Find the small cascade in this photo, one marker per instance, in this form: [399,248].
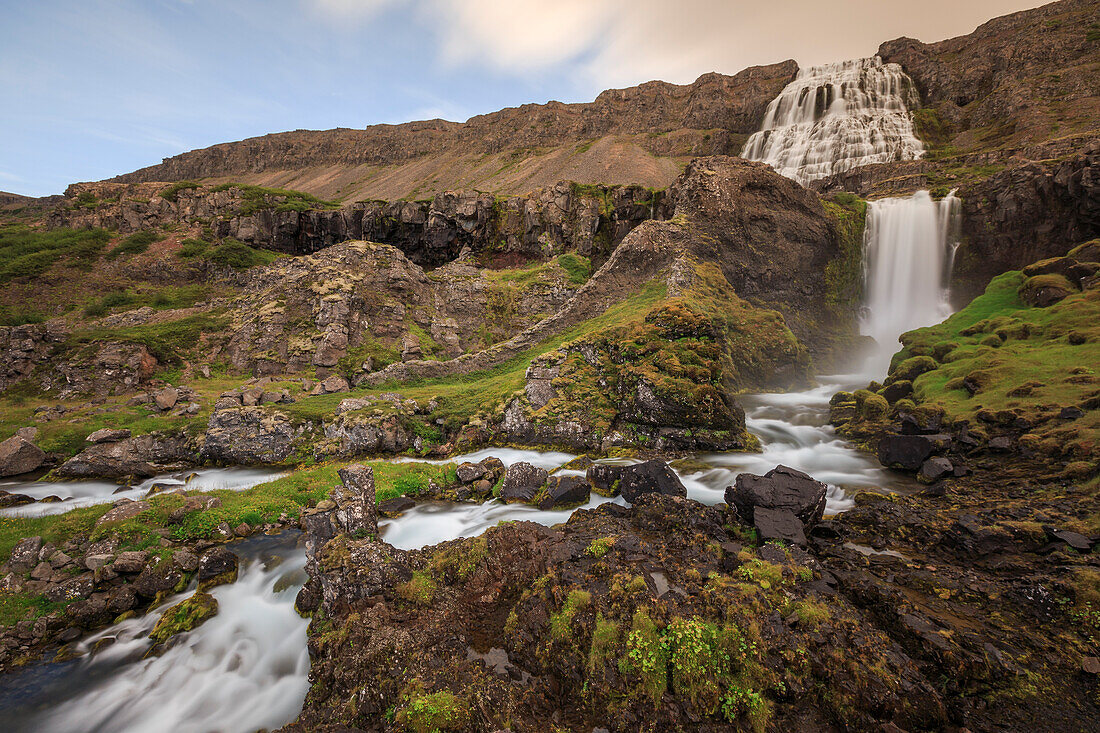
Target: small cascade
[836,117]
[908,251]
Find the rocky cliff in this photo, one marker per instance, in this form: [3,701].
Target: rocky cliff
[589,220]
[611,140]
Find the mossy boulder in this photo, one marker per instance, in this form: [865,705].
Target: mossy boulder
[184,616]
[1042,291]
[913,367]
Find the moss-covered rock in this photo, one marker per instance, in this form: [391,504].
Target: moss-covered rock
[184,616]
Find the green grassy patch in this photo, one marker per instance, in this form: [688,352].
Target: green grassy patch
[134,244]
[168,341]
[239,256]
[259,198]
[27,252]
[172,192]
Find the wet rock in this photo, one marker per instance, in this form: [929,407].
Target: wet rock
[108,435]
[217,567]
[130,562]
[123,510]
[184,616]
[650,477]
[604,479]
[522,481]
[356,508]
[7,499]
[909,451]
[140,456]
[395,506]
[564,491]
[19,456]
[469,472]
[782,488]
[934,469]
[121,599]
[159,576]
[89,613]
[1077,541]
[24,555]
[779,524]
[166,398]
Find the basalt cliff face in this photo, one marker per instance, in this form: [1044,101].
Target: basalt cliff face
[633,135]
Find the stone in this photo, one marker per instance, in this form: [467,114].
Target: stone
[564,491]
[908,452]
[333,384]
[186,560]
[356,508]
[18,456]
[1077,541]
[782,488]
[650,477]
[166,398]
[159,576]
[130,562]
[121,599]
[395,506]
[1071,413]
[122,511]
[216,567]
[7,499]
[934,469]
[522,481]
[779,524]
[95,562]
[28,433]
[252,397]
[42,571]
[24,555]
[108,435]
[184,616]
[604,479]
[1090,665]
[71,590]
[469,472]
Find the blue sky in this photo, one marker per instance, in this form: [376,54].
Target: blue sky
[96,88]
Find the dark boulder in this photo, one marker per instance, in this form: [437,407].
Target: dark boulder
[217,566]
[18,455]
[782,488]
[934,469]
[564,491]
[395,506]
[779,524]
[158,576]
[651,477]
[24,556]
[522,481]
[909,451]
[604,479]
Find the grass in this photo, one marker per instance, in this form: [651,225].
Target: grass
[134,244]
[165,297]
[172,192]
[1029,360]
[27,252]
[258,198]
[239,256]
[168,341]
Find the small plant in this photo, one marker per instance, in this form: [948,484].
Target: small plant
[561,624]
[420,589]
[599,547]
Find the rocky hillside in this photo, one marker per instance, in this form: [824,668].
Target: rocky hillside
[638,135]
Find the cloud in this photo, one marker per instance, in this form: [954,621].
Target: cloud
[348,10]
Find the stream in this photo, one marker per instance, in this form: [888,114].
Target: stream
[247,668]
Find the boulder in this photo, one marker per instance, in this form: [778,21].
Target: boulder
[108,435]
[564,491]
[908,452]
[18,455]
[24,556]
[130,562]
[186,560]
[159,576]
[140,456]
[469,472]
[934,469]
[7,499]
[395,506]
[166,398]
[71,590]
[651,477]
[605,479]
[779,524]
[184,616]
[782,488]
[356,508]
[248,436]
[217,567]
[123,510]
[522,481]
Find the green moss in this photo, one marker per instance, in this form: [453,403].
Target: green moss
[172,192]
[192,248]
[27,252]
[811,612]
[561,623]
[599,547]
[258,198]
[239,256]
[458,562]
[168,341]
[419,590]
[646,656]
[844,274]
[184,616]
[431,713]
[605,641]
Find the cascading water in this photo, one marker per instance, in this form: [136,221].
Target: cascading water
[836,117]
[909,245]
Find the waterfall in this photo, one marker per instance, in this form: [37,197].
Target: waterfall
[836,117]
[908,246]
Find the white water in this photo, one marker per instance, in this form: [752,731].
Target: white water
[243,670]
[85,493]
[909,245]
[836,117]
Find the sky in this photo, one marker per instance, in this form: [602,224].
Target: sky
[90,89]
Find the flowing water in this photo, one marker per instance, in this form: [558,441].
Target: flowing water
[247,668]
[836,117]
[85,493]
[909,248]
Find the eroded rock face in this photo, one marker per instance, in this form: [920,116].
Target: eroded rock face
[249,436]
[140,456]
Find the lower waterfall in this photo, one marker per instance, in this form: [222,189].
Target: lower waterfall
[909,245]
